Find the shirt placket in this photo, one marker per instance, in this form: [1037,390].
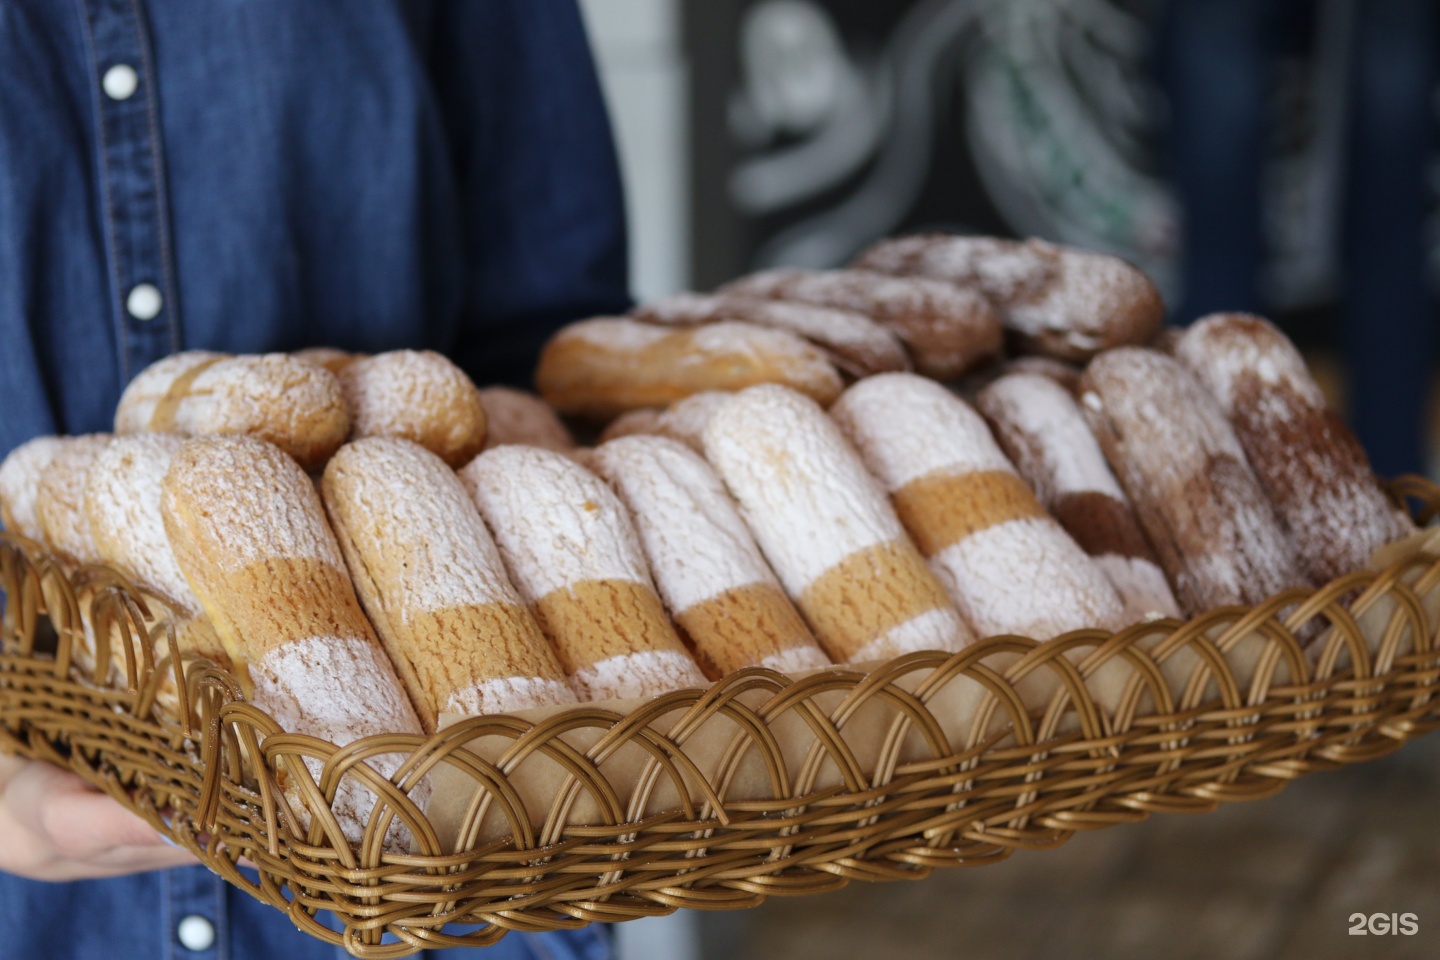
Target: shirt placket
[143,298]
[195,920]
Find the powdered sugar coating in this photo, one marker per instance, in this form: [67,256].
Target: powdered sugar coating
[273,513]
[801,489]
[1081,306]
[1311,467]
[514,416]
[450,558]
[617,333]
[931,630]
[1069,460]
[856,343]
[1027,577]
[1194,492]
[508,694]
[417,395]
[1143,589]
[60,501]
[793,660]
[20,475]
[137,404]
[631,675]
[292,403]
[692,533]
[1002,269]
[907,427]
[685,420]
[312,686]
[1224,347]
[122,500]
[556,523]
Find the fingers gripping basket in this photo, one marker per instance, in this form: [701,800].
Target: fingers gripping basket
[718,798]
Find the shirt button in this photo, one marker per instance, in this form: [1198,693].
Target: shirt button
[196,933]
[120,82]
[144,301]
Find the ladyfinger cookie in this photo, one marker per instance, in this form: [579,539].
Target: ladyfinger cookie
[60,499]
[950,331]
[572,551]
[415,395]
[827,529]
[603,367]
[292,403]
[1058,301]
[683,420]
[1195,494]
[331,358]
[249,533]
[122,504]
[1310,465]
[432,581]
[1007,564]
[857,345]
[20,476]
[1043,432]
[718,588]
[514,416]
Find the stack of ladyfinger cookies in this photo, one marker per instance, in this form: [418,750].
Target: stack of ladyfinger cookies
[801,469]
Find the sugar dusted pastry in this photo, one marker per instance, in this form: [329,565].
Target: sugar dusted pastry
[683,420]
[573,553]
[827,529]
[1007,564]
[1310,465]
[718,588]
[60,499]
[331,358]
[250,535]
[857,344]
[292,403]
[1043,432]
[949,331]
[1195,494]
[20,475]
[432,581]
[415,395]
[1058,301]
[604,367]
[514,416]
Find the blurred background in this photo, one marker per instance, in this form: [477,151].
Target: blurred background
[1277,156]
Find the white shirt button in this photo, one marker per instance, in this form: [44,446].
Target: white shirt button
[196,933]
[144,301]
[120,82]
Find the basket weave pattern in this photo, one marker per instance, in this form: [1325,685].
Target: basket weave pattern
[1253,711]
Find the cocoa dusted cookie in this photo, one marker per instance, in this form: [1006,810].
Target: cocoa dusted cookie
[948,330]
[855,343]
[1042,430]
[1058,301]
[1311,466]
[1196,496]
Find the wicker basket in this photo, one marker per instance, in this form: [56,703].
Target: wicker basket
[719,798]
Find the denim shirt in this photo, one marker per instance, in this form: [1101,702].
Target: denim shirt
[255,175]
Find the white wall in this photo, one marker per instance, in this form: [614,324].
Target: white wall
[638,47]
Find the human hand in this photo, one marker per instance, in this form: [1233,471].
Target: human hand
[54,826]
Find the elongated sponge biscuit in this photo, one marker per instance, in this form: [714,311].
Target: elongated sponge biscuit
[249,532]
[432,580]
[827,529]
[573,553]
[716,585]
[1008,565]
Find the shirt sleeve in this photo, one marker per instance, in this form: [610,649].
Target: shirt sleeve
[541,208]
